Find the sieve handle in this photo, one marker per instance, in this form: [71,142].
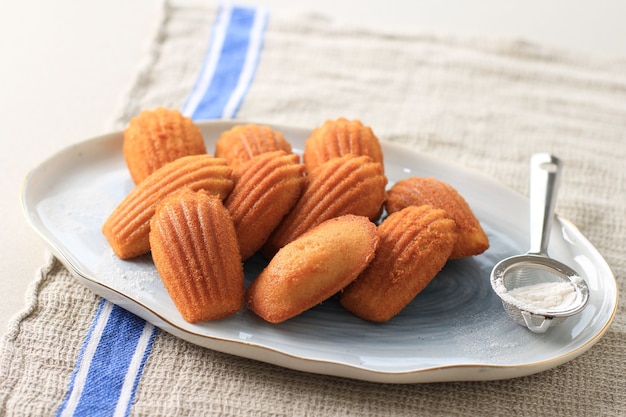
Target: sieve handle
[544,184]
[536,328]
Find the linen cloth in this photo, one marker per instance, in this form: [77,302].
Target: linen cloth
[488,104]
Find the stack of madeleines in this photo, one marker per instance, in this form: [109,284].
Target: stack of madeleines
[317,221]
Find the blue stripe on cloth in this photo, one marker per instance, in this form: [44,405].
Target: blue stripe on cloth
[229,65]
[109,364]
[118,343]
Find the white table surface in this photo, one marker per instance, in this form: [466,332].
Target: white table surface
[66,65]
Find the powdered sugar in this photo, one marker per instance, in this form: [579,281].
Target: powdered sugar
[556,295]
[135,276]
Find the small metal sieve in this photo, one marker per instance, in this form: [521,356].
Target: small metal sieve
[537,291]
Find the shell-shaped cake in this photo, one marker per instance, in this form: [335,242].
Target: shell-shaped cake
[415,244]
[128,226]
[195,251]
[340,137]
[344,185]
[155,137]
[417,191]
[266,188]
[313,268]
[242,142]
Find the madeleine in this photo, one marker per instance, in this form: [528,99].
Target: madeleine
[313,268]
[128,226]
[419,191]
[195,251]
[156,137]
[415,244]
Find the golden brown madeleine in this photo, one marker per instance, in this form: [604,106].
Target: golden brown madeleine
[313,268]
[417,191]
[266,188]
[415,244]
[242,142]
[155,137]
[195,251]
[340,137]
[344,185]
[128,226]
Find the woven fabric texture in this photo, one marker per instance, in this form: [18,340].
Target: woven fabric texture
[483,103]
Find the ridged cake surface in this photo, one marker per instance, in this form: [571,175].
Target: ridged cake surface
[417,191]
[415,244]
[128,226]
[344,185]
[242,142]
[266,188]
[155,137]
[195,251]
[340,137]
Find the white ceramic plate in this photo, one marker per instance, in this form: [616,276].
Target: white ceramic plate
[456,329]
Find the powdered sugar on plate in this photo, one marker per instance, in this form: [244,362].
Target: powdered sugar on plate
[138,274]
